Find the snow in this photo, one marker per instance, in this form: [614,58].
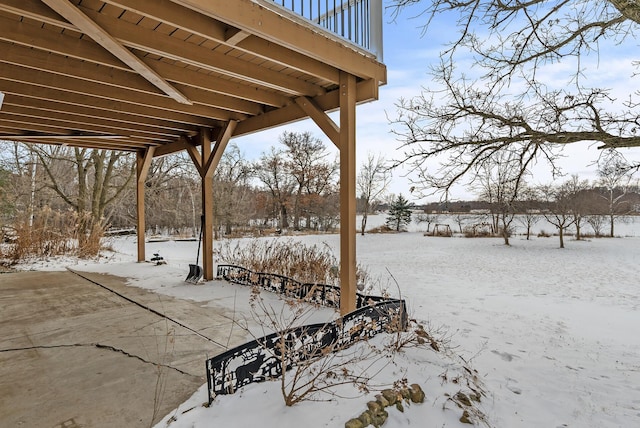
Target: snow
[552,333]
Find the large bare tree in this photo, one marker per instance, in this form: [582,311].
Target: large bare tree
[88,181]
[504,102]
[615,177]
[372,181]
[307,163]
[231,191]
[271,170]
[499,183]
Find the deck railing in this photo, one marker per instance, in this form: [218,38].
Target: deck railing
[359,21]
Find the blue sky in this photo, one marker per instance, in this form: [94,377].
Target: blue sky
[407,55]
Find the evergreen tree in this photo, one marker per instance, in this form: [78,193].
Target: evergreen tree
[399,213]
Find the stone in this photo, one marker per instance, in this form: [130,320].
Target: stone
[374,407]
[366,418]
[383,401]
[380,418]
[416,393]
[390,395]
[354,423]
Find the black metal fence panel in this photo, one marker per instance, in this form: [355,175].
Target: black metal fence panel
[321,294]
[264,358]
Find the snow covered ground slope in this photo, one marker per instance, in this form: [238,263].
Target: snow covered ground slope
[553,333]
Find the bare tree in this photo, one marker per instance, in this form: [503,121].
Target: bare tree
[372,181]
[271,170]
[615,176]
[307,165]
[100,177]
[578,194]
[558,208]
[503,102]
[597,222]
[231,191]
[499,183]
[529,208]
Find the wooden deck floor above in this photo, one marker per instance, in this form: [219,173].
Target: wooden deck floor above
[132,74]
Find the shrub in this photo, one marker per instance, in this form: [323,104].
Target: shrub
[53,233]
[293,259]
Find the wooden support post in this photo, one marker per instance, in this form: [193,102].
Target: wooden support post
[207,206]
[143,163]
[347,193]
[206,162]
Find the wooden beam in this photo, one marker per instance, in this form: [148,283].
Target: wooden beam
[192,151]
[76,128]
[204,138]
[104,39]
[104,92]
[110,119]
[136,112]
[347,193]
[80,122]
[235,36]
[324,122]
[137,37]
[222,140]
[269,24]
[41,61]
[178,146]
[209,28]
[366,91]
[143,163]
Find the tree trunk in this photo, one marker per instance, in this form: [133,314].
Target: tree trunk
[561,229]
[363,224]
[611,220]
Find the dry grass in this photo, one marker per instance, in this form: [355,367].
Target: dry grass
[52,233]
[293,259]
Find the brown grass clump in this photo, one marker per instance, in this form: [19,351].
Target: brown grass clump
[52,233]
[381,229]
[287,257]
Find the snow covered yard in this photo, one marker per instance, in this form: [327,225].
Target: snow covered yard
[553,333]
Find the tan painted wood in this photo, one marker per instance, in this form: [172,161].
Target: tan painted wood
[94,89]
[189,20]
[224,135]
[291,113]
[136,111]
[324,122]
[45,62]
[257,19]
[192,150]
[126,124]
[143,163]
[235,36]
[207,207]
[104,39]
[28,119]
[95,124]
[348,284]
[136,37]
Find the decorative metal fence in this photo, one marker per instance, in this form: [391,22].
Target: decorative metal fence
[322,294]
[263,359]
[359,21]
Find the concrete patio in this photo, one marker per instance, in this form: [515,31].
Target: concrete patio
[76,354]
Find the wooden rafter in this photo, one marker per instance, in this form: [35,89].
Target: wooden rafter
[104,39]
